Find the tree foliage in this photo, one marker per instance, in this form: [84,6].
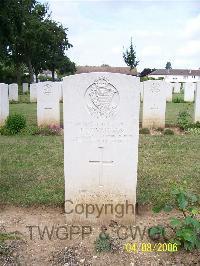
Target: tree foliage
[168,65]
[29,36]
[130,57]
[146,71]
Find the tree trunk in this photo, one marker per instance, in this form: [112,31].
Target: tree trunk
[36,76]
[53,74]
[30,68]
[18,74]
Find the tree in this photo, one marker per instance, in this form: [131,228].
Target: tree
[130,57]
[29,37]
[168,65]
[32,38]
[146,71]
[66,67]
[21,20]
[56,45]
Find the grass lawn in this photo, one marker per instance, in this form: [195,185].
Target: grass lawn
[31,170]
[32,166]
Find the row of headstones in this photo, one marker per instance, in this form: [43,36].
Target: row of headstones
[188,88]
[13,91]
[157,93]
[154,95]
[47,94]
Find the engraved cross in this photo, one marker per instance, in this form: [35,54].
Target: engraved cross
[101,163]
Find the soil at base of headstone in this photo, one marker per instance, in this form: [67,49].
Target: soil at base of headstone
[34,247]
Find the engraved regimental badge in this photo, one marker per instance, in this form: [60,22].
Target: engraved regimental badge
[47,89]
[155,87]
[102,98]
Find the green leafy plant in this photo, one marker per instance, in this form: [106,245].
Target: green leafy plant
[8,236]
[168,131]
[193,128]
[155,232]
[14,124]
[194,125]
[183,119]
[178,100]
[103,243]
[4,131]
[186,229]
[44,78]
[193,131]
[144,131]
[6,248]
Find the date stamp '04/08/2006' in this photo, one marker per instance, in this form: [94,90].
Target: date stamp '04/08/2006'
[149,247]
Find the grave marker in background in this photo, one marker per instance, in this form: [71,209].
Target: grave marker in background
[177,87]
[60,90]
[33,92]
[169,91]
[197,103]
[189,90]
[13,92]
[4,103]
[48,106]
[25,87]
[141,91]
[154,104]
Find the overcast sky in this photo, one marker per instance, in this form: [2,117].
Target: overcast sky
[161,30]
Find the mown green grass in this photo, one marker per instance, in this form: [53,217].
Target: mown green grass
[166,161]
[32,168]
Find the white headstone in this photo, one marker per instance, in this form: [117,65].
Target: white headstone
[101,132]
[4,103]
[13,92]
[60,89]
[197,103]
[33,92]
[141,91]
[25,87]
[169,91]
[48,106]
[177,87]
[189,90]
[154,104]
